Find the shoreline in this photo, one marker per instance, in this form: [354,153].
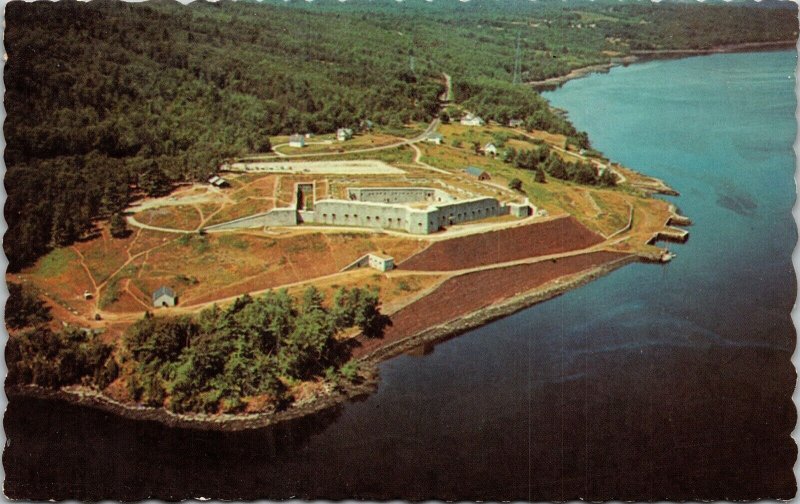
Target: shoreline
[342,393]
[657,54]
[237,422]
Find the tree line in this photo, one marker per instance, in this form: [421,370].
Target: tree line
[109,100]
[542,160]
[256,347]
[213,361]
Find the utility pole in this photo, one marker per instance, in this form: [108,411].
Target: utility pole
[517,78]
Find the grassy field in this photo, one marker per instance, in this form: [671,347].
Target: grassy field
[328,143]
[174,217]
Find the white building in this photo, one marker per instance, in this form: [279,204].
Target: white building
[164,296]
[297,141]
[218,181]
[521,210]
[515,123]
[381,262]
[490,149]
[343,134]
[435,138]
[472,120]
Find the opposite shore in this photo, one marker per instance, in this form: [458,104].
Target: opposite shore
[647,55]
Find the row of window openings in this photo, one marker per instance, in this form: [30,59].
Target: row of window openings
[369,219]
[400,221]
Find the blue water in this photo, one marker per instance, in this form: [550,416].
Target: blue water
[654,382]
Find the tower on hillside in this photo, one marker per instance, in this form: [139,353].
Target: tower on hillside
[517,78]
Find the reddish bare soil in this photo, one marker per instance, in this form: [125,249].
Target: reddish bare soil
[470,292]
[545,238]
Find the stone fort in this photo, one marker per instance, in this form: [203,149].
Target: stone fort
[415,210]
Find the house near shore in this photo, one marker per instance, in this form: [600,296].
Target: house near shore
[472,120]
[297,141]
[476,172]
[515,123]
[343,134]
[164,296]
[490,149]
[435,138]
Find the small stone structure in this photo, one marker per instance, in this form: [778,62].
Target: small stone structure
[381,262]
[374,260]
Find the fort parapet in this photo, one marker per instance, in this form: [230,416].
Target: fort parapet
[398,194]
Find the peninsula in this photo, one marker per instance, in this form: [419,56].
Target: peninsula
[252,242]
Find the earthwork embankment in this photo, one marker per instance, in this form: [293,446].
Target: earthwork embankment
[505,245]
[468,293]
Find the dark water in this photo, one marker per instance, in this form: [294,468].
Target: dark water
[651,383]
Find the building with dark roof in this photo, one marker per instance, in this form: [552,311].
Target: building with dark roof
[164,296]
[477,173]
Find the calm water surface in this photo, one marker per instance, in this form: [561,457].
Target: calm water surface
[654,382]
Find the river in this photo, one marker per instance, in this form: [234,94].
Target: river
[655,382]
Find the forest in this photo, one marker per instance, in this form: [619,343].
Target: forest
[107,101]
[213,361]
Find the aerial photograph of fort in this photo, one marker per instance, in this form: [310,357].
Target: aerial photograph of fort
[373,249]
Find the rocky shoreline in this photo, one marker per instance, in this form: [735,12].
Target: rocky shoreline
[236,422]
[577,73]
[646,55]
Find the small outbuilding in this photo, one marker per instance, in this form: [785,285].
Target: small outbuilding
[515,123]
[297,141]
[435,138]
[164,296]
[343,134]
[476,172]
[490,149]
[381,262]
[218,181]
[374,260]
[472,120]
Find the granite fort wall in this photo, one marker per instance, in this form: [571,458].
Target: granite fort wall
[404,218]
[398,194]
